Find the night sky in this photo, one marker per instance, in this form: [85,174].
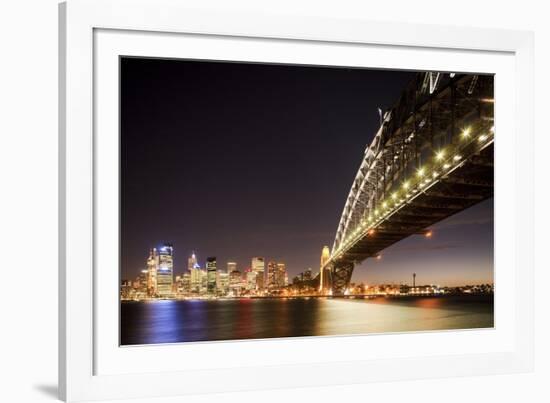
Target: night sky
[238,160]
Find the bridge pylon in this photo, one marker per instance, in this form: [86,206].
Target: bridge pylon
[341,271]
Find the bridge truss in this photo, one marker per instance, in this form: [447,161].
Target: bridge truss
[431,158]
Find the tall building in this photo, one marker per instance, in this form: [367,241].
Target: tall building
[231,266]
[324,279]
[152,266]
[251,280]
[222,282]
[281,278]
[165,271]
[258,267]
[271,275]
[191,262]
[235,282]
[211,272]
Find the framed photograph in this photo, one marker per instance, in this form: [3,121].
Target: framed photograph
[311,201]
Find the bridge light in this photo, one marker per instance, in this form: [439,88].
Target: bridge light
[384,204]
[428,234]
[492,129]
[466,133]
[435,174]
[394,196]
[420,172]
[440,155]
[457,157]
[447,166]
[406,185]
[482,138]
[371,232]
[378,257]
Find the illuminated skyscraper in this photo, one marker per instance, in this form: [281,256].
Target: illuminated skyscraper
[281,277]
[271,275]
[235,282]
[211,275]
[222,282]
[231,266]
[324,280]
[251,282]
[191,262]
[152,266]
[258,267]
[165,271]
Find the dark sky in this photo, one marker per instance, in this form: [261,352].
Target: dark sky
[239,160]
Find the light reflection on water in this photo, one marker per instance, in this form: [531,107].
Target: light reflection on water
[157,322]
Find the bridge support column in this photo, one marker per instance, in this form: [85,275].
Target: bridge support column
[341,276]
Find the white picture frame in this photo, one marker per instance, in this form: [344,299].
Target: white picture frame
[92,366]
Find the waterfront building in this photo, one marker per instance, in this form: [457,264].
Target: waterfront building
[258,267]
[211,271]
[307,275]
[324,281]
[165,271]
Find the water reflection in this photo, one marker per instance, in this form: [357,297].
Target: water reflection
[201,320]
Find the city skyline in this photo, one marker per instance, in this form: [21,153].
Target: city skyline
[280,198]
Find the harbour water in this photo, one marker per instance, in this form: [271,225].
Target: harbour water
[174,321]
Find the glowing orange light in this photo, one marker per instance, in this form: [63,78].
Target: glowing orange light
[378,257]
[371,232]
[428,234]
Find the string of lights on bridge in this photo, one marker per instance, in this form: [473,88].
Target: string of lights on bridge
[445,161]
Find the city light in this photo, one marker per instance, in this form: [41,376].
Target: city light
[440,155]
[428,234]
[420,172]
[457,158]
[482,138]
[466,133]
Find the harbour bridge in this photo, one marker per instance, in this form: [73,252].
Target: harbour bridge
[432,157]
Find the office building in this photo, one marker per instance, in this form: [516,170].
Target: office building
[211,272]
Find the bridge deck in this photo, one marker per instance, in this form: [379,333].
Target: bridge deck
[467,185]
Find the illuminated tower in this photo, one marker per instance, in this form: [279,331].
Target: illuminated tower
[258,266]
[324,272]
[191,262]
[165,271]
[281,277]
[211,275]
[272,275]
[231,266]
[152,265]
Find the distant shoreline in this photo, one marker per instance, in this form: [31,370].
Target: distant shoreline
[351,297]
